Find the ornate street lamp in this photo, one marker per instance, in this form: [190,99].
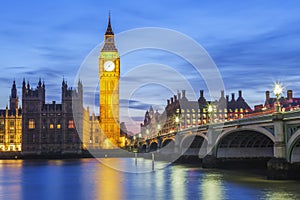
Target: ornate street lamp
[209,110]
[277,91]
[177,123]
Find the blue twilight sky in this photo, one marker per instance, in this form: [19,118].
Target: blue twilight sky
[253,43]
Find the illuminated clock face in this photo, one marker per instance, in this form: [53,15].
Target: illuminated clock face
[109,39]
[109,66]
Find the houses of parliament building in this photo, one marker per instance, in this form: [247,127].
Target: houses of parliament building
[48,128]
[40,128]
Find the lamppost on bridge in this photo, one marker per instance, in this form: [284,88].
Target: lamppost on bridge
[209,110]
[158,129]
[277,91]
[177,120]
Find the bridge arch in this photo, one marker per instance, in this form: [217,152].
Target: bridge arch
[144,148]
[249,128]
[153,146]
[167,146]
[245,142]
[194,144]
[167,141]
[293,147]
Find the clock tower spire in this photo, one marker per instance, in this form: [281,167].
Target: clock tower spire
[109,74]
[109,30]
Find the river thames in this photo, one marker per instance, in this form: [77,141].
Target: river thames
[91,179]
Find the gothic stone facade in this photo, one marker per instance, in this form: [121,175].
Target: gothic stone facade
[52,128]
[11,124]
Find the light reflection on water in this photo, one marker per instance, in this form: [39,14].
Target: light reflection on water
[89,179]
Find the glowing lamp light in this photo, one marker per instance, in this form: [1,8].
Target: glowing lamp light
[210,108]
[277,89]
[177,119]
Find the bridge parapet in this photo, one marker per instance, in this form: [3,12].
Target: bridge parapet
[281,128]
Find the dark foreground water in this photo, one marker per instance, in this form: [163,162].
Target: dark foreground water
[91,179]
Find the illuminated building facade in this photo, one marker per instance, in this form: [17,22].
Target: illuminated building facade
[152,122]
[288,103]
[11,124]
[194,113]
[109,74]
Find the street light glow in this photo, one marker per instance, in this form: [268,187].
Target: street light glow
[210,108]
[177,119]
[277,89]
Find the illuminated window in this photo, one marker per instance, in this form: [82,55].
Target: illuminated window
[58,126]
[31,124]
[71,124]
[11,139]
[51,126]
[1,125]
[11,125]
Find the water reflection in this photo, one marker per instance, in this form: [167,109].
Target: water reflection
[10,173]
[109,181]
[133,165]
[89,179]
[178,182]
[211,187]
[279,195]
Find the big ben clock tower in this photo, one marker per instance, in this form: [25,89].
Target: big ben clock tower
[109,74]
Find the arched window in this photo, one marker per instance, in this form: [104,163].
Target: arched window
[71,124]
[31,124]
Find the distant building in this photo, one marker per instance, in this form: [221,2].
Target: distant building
[288,103]
[152,123]
[11,124]
[193,113]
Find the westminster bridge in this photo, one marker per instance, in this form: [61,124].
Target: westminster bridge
[275,135]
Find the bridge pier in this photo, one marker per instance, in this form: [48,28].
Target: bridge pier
[210,160]
[178,139]
[278,167]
